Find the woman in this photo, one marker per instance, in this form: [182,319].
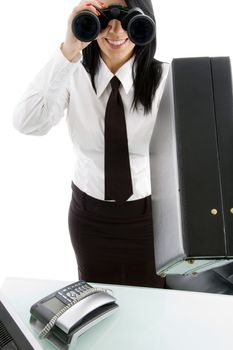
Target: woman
[112,239]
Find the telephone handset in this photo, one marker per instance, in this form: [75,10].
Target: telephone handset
[73,309]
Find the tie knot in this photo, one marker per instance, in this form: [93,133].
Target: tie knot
[115,83]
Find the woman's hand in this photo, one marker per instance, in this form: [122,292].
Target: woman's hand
[72,46]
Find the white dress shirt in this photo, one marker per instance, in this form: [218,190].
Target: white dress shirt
[63,85]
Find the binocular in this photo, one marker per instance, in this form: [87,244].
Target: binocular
[86,26]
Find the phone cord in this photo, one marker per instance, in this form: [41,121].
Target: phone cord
[53,320]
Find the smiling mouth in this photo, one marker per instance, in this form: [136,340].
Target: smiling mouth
[116,43]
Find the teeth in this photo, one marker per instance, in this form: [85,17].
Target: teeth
[116,42]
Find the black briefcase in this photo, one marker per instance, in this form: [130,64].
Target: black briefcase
[191,158]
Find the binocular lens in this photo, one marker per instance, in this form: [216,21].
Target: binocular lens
[141,31]
[86,26]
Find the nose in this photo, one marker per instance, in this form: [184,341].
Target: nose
[115,27]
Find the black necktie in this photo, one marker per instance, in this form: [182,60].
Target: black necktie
[118,182]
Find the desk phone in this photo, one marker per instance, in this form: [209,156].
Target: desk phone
[73,309]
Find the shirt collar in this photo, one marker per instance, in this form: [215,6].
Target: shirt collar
[104,75]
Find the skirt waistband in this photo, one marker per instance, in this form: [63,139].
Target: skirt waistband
[127,209]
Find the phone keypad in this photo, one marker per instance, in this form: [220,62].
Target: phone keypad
[72,292]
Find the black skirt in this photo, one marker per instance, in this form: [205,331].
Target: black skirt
[113,242]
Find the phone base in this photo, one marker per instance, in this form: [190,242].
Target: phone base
[62,339]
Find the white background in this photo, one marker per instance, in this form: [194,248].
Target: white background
[35,172]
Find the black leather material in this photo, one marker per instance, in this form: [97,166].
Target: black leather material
[191,154]
[222,92]
[219,281]
[197,157]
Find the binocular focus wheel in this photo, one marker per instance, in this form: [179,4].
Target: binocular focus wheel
[86,26]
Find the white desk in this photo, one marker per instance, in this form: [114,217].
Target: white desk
[146,319]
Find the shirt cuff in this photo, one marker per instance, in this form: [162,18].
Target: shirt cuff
[74,60]
[63,65]
[60,69]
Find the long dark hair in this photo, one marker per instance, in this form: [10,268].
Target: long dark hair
[148,70]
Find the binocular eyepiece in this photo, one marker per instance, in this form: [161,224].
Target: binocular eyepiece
[86,26]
